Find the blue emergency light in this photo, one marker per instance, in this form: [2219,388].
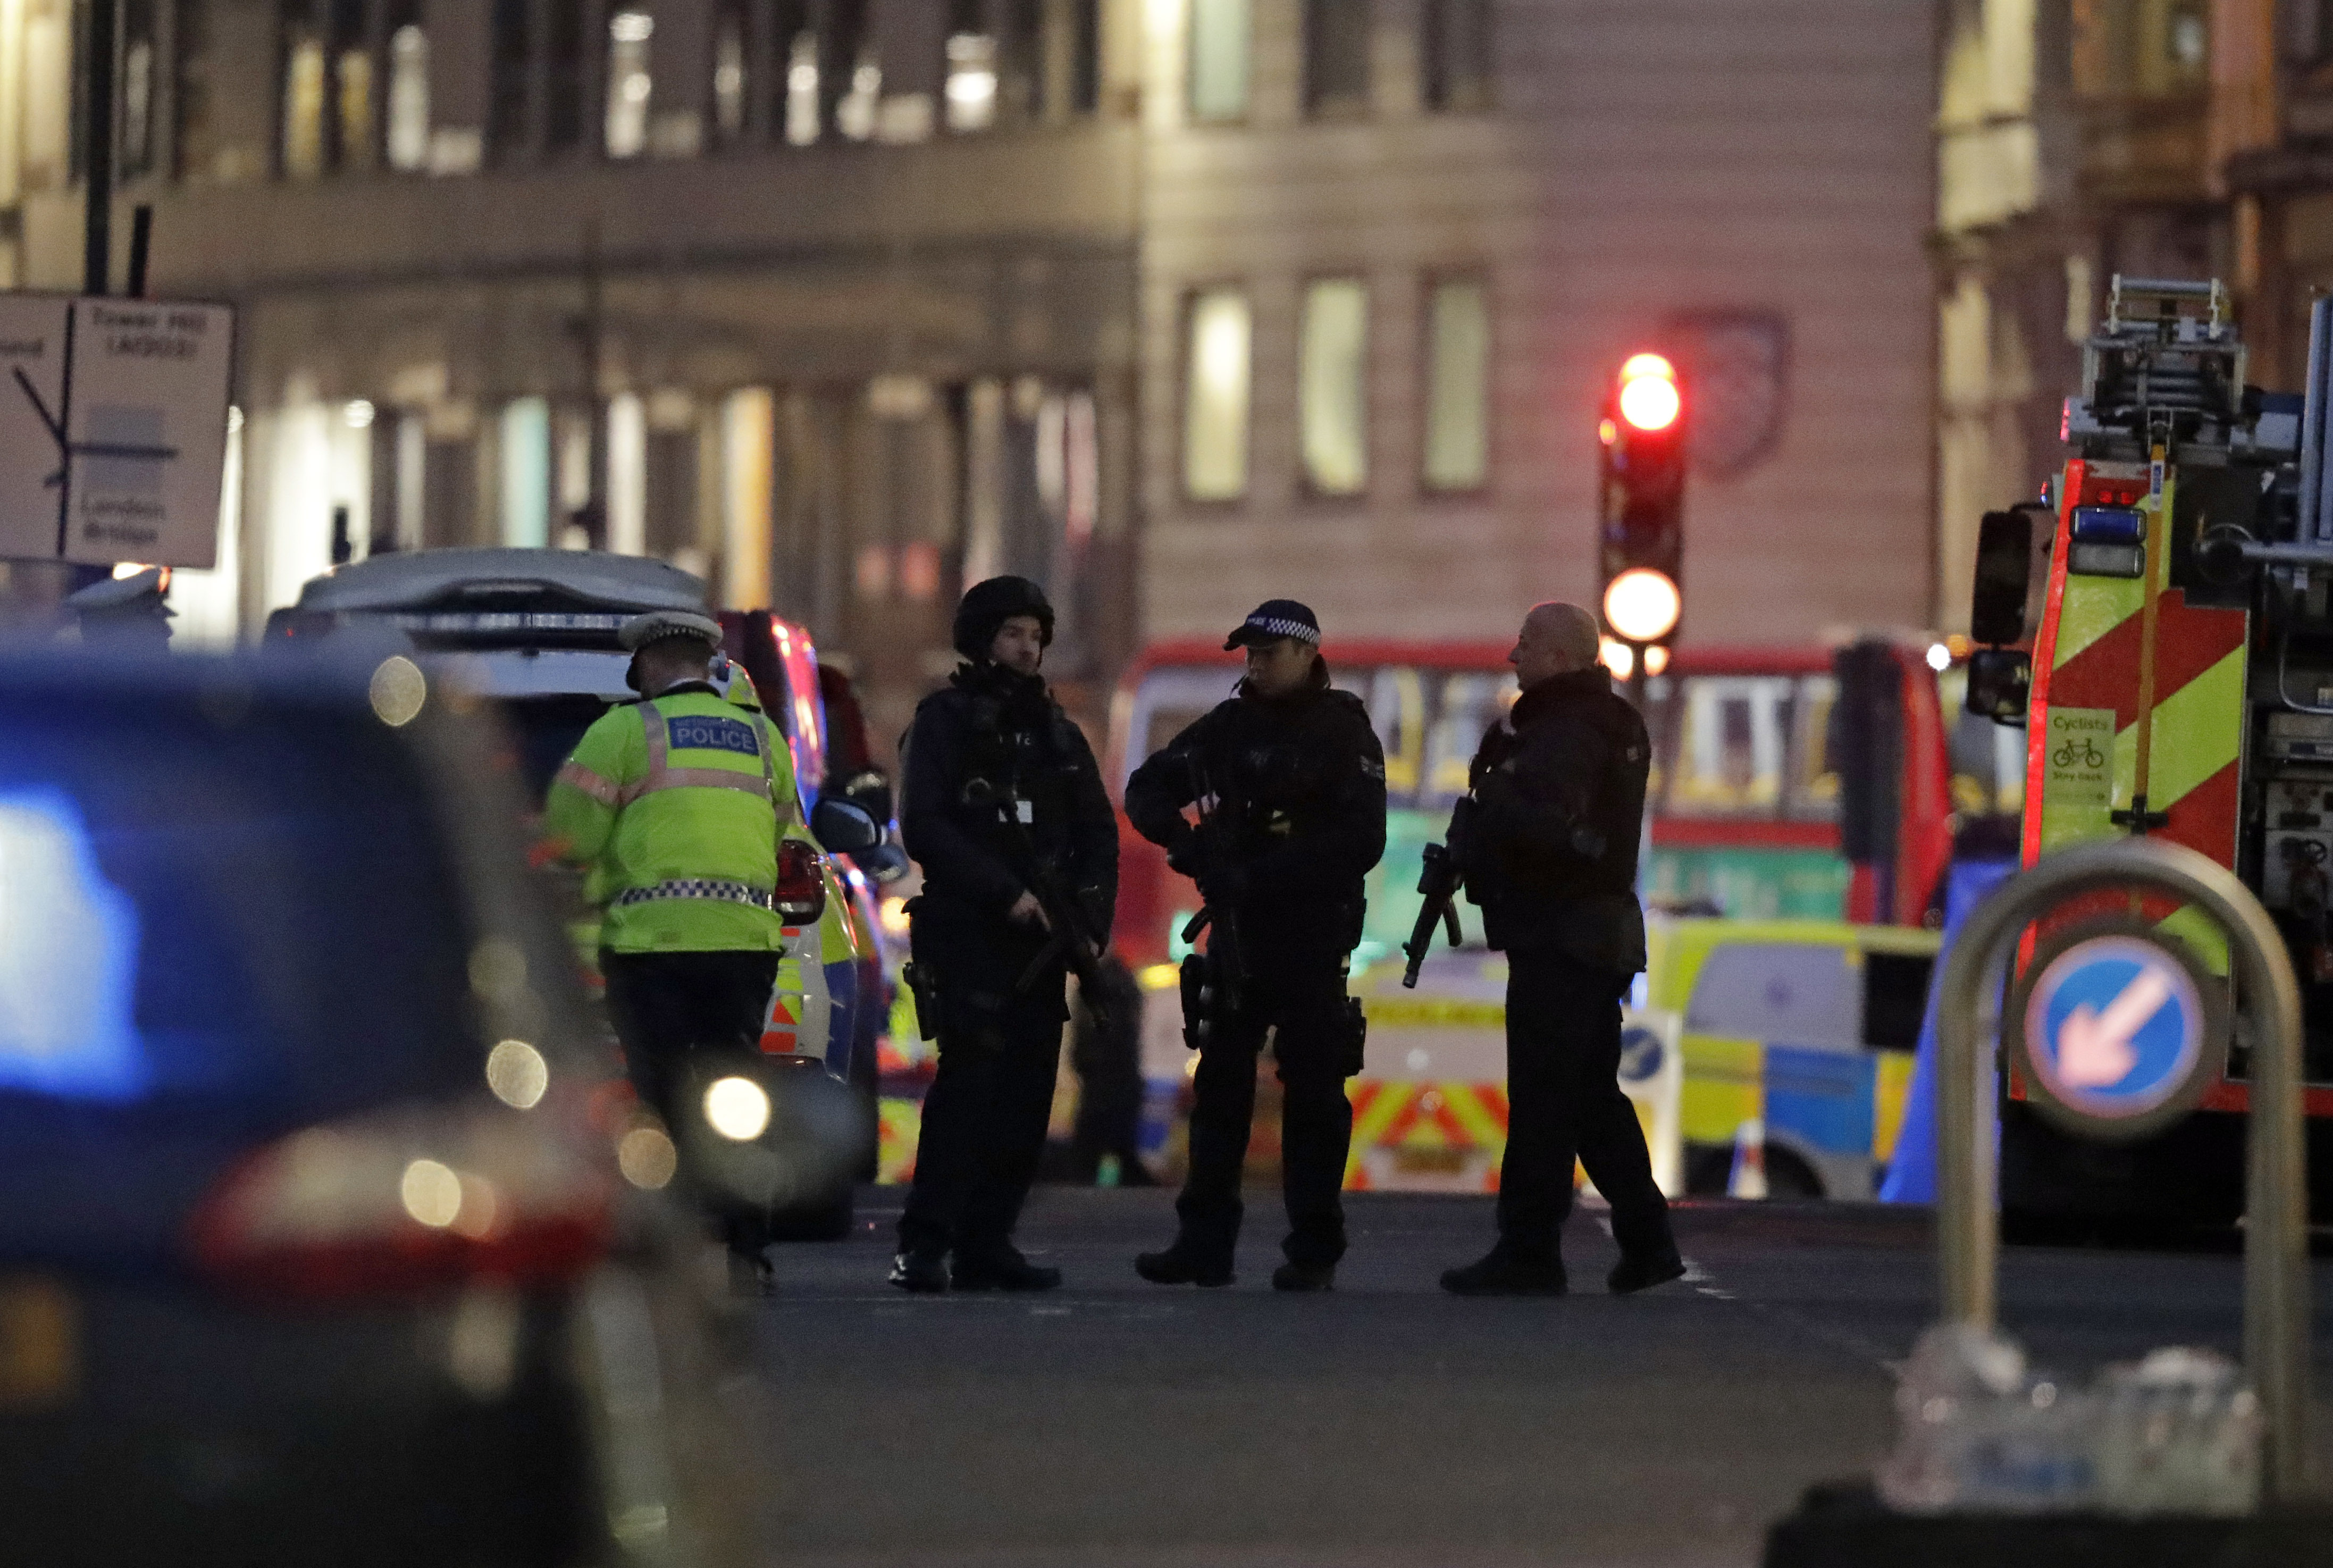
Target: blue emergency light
[2108,525]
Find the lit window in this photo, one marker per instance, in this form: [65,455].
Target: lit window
[1336,56]
[629,82]
[1215,397]
[729,77]
[137,106]
[526,473]
[355,107]
[1333,386]
[854,115]
[1219,59]
[802,91]
[1456,51]
[408,99]
[1457,386]
[303,107]
[971,82]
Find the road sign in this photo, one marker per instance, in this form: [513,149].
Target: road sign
[112,428]
[2117,1026]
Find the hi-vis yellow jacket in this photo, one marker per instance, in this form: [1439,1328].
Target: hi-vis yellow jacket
[676,807]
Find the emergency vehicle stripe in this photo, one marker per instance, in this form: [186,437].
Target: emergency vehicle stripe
[2193,737]
[2089,655]
[2188,643]
[575,776]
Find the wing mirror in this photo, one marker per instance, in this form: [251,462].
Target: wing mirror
[1998,610]
[2000,681]
[842,828]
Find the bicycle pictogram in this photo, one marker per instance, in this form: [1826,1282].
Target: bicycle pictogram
[2088,756]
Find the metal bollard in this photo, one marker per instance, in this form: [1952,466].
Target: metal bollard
[2276,1237]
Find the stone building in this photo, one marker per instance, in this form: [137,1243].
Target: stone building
[1174,303]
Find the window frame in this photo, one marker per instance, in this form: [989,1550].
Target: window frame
[1191,113]
[1187,317]
[1316,105]
[1430,282]
[1429,53]
[1306,486]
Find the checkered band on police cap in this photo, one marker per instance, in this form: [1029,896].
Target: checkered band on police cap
[1277,618]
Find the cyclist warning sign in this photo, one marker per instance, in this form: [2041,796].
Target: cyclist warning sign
[2080,757]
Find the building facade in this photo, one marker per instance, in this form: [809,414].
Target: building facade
[2082,139]
[1173,305]
[1394,254]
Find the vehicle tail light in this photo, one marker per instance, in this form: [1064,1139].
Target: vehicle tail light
[801,882]
[406,1203]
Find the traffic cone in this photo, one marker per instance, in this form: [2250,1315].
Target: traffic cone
[1749,1177]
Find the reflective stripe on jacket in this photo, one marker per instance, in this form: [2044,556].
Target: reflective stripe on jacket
[686,790]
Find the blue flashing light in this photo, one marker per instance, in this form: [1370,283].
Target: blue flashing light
[2108,525]
[68,958]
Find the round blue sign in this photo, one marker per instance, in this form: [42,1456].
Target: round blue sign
[1641,1054]
[2114,1027]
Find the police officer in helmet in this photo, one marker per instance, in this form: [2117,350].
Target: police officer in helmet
[1287,780]
[997,779]
[675,804]
[1551,856]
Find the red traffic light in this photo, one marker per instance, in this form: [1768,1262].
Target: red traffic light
[1648,392]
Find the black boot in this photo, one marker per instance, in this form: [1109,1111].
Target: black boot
[1301,1276]
[1183,1264]
[1001,1267]
[920,1270]
[1631,1275]
[1501,1272]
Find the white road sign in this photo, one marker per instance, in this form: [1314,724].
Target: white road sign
[112,428]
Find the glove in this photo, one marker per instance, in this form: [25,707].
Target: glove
[1187,853]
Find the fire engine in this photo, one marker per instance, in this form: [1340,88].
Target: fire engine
[2159,624]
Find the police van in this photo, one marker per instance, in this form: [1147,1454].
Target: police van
[534,630]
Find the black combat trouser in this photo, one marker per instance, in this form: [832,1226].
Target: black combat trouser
[666,1006]
[1564,1104]
[992,1098]
[1305,1001]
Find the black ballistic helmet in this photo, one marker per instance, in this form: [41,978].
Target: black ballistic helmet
[987,606]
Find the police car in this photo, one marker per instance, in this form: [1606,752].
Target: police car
[534,630]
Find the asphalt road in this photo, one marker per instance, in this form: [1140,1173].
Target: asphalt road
[1117,1422]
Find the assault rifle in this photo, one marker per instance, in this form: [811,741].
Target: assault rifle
[1439,882]
[1215,853]
[1211,981]
[1065,918]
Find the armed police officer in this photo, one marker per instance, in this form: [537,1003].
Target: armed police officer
[1288,780]
[674,805]
[1549,854]
[1005,810]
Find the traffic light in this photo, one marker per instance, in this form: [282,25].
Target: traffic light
[1640,519]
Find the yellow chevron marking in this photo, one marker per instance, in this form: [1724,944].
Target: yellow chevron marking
[1467,1105]
[1387,1104]
[2094,606]
[1432,1010]
[2197,732]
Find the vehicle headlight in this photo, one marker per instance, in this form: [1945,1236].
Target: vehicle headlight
[738,1109]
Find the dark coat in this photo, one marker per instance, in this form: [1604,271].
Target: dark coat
[1302,783]
[1005,731]
[1560,792]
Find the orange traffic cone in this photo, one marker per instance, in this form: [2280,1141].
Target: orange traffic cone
[1749,1177]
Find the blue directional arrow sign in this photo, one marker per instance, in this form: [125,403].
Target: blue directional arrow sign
[2114,1028]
